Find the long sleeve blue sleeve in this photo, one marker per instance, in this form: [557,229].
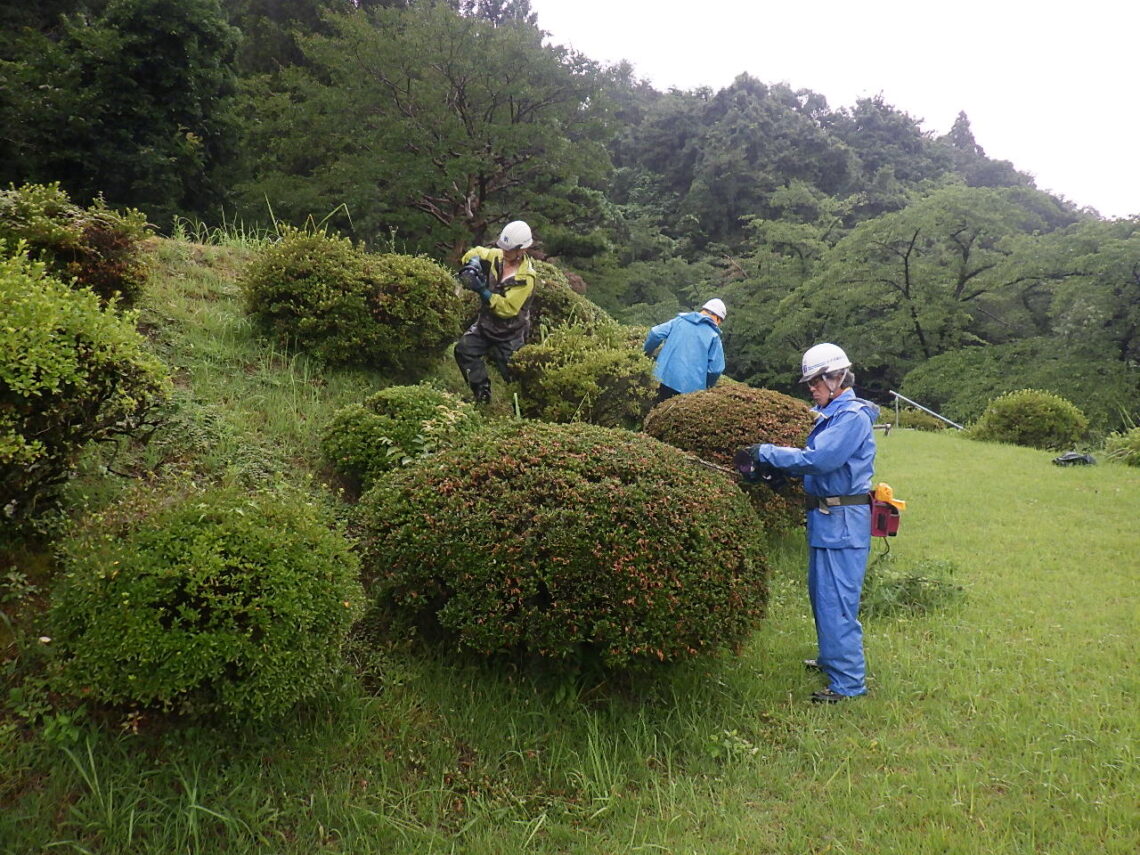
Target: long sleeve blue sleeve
[833,447]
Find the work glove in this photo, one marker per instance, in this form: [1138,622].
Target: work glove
[753,471]
[471,277]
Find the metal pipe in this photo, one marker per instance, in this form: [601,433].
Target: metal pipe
[899,397]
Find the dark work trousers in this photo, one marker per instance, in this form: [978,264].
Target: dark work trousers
[664,393]
[472,349]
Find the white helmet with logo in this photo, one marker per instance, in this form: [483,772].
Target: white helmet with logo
[515,235]
[822,359]
[715,306]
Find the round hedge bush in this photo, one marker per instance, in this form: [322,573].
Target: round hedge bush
[562,540]
[717,422]
[1031,418]
[346,306]
[392,428]
[72,370]
[213,602]
[95,247]
[915,419]
[577,374]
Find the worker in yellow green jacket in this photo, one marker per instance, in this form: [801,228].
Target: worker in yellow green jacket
[504,277]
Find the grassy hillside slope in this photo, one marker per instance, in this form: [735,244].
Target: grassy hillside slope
[1005,724]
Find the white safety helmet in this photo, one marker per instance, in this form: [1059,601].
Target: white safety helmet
[822,359]
[716,306]
[515,235]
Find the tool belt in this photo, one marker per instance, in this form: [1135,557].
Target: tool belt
[824,504]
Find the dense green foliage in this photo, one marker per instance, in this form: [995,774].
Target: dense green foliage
[333,299]
[421,127]
[960,384]
[576,374]
[129,99]
[1032,418]
[393,428]
[476,123]
[563,540]
[717,422]
[71,371]
[93,247]
[210,602]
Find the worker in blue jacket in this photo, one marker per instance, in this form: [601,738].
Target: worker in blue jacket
[692,355]
[837,464]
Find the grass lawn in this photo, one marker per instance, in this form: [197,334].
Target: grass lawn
[1004,723]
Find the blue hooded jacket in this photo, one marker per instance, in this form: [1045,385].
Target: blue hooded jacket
[692,356]
[837,460]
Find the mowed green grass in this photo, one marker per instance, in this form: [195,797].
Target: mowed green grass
[1004,724]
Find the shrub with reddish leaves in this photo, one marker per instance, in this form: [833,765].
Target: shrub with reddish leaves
[715,423]
[561,540]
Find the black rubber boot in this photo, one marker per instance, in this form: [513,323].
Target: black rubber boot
[482,393]
[826,696]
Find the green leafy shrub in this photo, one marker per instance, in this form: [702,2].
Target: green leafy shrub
[392,428]
[1031,418]
[559,541]
[717,422]
[556,304]
[330,298]
[71,371]
[960,384]
[1124,446]
[96,247]
[915,419]
[209,602]
[588,375]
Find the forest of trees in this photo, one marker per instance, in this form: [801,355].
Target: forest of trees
[423,126]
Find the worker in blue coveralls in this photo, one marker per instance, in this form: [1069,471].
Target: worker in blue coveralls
[837,464]
[692,355]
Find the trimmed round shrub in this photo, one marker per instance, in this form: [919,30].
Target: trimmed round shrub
[563,541]
[213,602]
[916,419]
[580,375]
[1123,446]
[392,428]
[95,247]
[328,297]
[1031,418]
[716,423]
[71,371]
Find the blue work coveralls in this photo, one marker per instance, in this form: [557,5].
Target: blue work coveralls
[692,357]
[838,460]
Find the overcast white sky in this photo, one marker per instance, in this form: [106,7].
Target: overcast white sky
[1054,88]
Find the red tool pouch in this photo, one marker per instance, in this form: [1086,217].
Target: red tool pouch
[884,519]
